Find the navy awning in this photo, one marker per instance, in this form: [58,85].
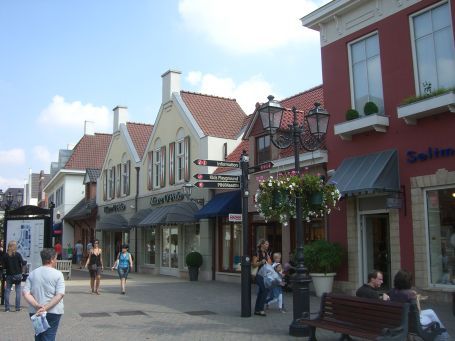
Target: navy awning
[376,172]
[113,222]
[139,216]
[221,205]
[179,213]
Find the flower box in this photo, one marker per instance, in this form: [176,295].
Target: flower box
[363,124]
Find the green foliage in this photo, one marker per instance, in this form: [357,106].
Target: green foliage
[370,108]
[275,198]
[194,259]
[440,91]
[352,114]
[322,256]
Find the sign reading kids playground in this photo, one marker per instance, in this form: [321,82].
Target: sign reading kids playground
[429,154]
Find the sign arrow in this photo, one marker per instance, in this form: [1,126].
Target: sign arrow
[218,184]
[260,167]
[216,163]
[216,177]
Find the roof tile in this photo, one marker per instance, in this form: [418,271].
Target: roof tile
[140,134]
[89,152]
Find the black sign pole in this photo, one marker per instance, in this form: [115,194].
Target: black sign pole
[246,260]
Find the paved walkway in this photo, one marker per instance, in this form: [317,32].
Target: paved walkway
[163,308]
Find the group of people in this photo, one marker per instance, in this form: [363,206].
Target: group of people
[401,292]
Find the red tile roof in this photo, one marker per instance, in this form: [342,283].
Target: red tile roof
[89,152]
[140,134]
[217,116]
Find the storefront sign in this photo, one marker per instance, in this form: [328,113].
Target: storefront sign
[115,208]
[166,198]
[431,153]
[235,217]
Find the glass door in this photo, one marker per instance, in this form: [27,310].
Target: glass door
[169,251]
[376,247]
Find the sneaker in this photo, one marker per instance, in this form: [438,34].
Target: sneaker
[18,309]
[123,293]
[7,310]
[282,310]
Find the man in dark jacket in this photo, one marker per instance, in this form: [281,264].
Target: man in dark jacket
[370,290]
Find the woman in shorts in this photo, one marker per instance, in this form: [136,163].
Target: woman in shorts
[95,266]
[124,264]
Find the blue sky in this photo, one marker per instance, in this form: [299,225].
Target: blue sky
[64,62]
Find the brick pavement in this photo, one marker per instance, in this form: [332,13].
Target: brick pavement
[159,308]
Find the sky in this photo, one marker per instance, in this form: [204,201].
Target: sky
[66,62]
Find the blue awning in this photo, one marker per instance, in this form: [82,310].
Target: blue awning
[221,205]
[376,172]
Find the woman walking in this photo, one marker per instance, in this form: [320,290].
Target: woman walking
[124,264]
[12,265]
[262,257]
[95,266]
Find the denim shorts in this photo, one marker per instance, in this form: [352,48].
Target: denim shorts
[123,272]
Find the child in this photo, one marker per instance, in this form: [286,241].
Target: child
[277,291]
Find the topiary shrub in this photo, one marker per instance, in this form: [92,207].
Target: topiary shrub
[352,114]
[370,108]
[193,259]
[322,256]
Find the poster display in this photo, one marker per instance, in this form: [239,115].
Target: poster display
[29,235]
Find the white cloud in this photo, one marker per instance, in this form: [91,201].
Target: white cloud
[11,182]
[247,93]
[43,155]
[60,113]
[194,77]
[15,156]
[249,26]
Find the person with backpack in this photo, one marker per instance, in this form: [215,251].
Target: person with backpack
[123,264]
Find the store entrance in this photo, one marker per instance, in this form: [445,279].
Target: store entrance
[169,250]
[376,246]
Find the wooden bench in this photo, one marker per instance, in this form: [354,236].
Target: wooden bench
[65,267]
[430,332]
[361,317]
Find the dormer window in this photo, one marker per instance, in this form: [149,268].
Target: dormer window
[263,150]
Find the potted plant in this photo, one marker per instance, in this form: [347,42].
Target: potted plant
[193,261]
[370,108]
[322,258]
[352,114]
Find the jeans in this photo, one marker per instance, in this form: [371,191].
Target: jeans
[51,333]
[261,294]
[17,289]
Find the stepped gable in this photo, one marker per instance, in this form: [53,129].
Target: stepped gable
[217,116]
[140,134]
[89,152]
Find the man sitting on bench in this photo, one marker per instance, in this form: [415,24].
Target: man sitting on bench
[371,289]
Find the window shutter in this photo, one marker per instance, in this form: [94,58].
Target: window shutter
[163,166]
[149,170]
[171,163]
[128,178]
[105,184]
[187,163]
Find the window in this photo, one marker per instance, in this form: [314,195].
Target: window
[263,149]
[59,196]
[231,246]
[434,55]
[441,232]
[365,67]
[118,180]
[125,176]
[149,247]
[149,170]
[192,238]
[51,199]
[157,168]
[180,160]
[111,183]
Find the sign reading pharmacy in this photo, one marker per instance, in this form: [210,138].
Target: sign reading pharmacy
[216,163]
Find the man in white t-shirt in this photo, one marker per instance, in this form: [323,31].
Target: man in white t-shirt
[44,291]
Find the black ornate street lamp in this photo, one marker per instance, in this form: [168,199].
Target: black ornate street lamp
[309,136]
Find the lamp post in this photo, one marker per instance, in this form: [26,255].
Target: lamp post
[187,189]
[309,137]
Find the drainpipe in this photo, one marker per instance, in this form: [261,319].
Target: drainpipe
[135,209]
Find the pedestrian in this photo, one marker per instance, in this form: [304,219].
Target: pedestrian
[95,266]
[402,292]
[12,267]
[273,294]
[262,257]
[58,249]
[44,290]
[124,264]
[79,251]
[277,289]
[371,289]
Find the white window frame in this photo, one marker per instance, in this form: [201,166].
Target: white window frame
[351,74]
[125,176]
[180,160]
[414,50]
[157,168]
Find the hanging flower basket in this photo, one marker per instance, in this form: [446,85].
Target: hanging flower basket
[275,197]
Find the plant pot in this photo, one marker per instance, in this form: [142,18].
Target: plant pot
[193,272]
[322,282]
[316,198]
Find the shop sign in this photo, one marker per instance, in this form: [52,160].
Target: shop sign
[115,208]
[166,198]
[393,202]
[429,154]
[235,217]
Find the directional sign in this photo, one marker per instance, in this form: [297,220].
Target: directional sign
[216,163]
[260,167]
[215,177]
[219,184]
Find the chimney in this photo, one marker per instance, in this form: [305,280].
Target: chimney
[120,116]
[89,128]
[171,83]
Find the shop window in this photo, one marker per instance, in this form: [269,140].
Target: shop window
[192,239]
[231,246]
[433,49]
[272,233]
[149,247]
[441,235]
[366,78]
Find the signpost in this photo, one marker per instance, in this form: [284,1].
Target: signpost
[219,184]
[216,163]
